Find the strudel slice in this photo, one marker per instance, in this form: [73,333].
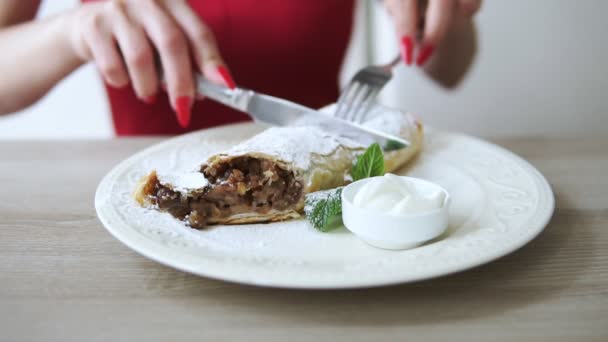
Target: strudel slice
[265,178]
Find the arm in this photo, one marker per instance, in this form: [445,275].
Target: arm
[36,55]
[122,37]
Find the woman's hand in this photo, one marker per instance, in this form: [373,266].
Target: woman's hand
[123,36]
[422,25]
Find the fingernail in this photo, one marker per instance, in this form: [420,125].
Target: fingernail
[119,87]
[407,49]
[425,54]
[183,105]
[150,99]
[228,80]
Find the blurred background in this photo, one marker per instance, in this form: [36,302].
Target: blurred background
[540,70]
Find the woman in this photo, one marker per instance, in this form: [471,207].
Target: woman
[290,49]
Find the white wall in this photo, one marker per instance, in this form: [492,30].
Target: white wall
[540,70]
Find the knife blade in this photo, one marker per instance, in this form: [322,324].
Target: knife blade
[280,112]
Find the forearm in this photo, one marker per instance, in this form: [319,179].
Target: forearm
[34,57]
[455,55]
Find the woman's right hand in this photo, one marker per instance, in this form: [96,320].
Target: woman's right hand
[122,37]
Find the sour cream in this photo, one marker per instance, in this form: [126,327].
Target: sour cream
[394,195]
[395,212]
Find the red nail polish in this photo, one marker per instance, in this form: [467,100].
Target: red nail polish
[150,99]
[228,80]
[407,49]
[425,54]
[183,105]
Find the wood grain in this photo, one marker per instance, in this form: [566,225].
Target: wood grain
[64,278]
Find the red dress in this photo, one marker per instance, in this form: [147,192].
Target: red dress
[287,48]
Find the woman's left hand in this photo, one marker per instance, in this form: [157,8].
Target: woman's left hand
[422,25]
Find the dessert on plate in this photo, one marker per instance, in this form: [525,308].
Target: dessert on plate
[265,178]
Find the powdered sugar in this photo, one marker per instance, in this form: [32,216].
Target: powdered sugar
[184,182]
[391,122]
[293,144]
[290,144]
[387,120]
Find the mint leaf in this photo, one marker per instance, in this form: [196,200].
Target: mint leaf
[324,209]
[393,145]
[369,164]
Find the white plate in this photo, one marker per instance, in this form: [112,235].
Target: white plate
[500,202]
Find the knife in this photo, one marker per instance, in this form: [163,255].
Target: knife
[280,112]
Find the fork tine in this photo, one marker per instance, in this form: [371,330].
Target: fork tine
[356,101]
[343,100]
[365,104]
[349,96]
[340,105]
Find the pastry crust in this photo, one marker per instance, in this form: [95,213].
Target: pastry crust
[316,159]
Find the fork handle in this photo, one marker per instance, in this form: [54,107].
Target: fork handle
[394,62]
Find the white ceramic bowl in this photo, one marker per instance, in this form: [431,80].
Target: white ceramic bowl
[390,231]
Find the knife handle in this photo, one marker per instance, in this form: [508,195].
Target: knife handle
[236,98]
[211,90]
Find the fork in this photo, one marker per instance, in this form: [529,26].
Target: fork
[355,100]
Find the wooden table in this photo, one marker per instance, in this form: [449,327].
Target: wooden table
[64,278]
